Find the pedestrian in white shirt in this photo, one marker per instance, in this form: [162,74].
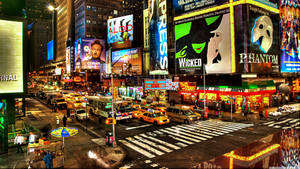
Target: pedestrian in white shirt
[19,141]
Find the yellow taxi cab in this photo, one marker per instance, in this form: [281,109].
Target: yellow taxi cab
[155,117]
[159,106]
[139,111]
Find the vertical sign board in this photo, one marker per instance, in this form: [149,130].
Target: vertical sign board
[3,127]
[289,35]
[158,43]
[184,6]
[146,28]
[11,57]
[68,60]
[203,40]
[50,50]
[259,53]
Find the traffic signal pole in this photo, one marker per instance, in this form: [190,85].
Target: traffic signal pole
[112,107]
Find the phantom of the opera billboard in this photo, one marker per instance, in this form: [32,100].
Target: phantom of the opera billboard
[257,41]
[127,62]
[184,6]
[203,40]
[158,40]
[11,57]
[120,32]
[89,53]
[289,35]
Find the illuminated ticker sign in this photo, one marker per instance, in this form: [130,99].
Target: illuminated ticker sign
[188,86]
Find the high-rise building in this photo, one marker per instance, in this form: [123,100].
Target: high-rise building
[91,17]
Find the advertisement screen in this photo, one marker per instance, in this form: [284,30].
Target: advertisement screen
[271,3]
[68,60]
[262,45]
[203,40]
[50,50]
[158,43]
[120,31]
[127,61]
[289,36]
[183,6]
[89,53]
[11,57]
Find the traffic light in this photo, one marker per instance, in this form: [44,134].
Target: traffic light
[110,121]
[296,85]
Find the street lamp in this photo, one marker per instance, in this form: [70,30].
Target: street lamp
[51,8]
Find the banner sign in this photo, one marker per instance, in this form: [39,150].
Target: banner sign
[11,57]
[146,28]
[120,31]
[89,53]
[68,60]
[155,84]
[158,42]
[260,52]
[184,6]
[289,35]
[172,85]
[127,61]
[203,40]
[188,86]
[50,50]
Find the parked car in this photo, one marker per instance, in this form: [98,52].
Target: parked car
[80,114]
[155,117]
[178,114]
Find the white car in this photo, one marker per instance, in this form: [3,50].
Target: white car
[81,115]
[275,113]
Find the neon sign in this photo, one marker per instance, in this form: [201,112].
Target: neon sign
[188,86]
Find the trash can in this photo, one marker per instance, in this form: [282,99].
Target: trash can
[109,139]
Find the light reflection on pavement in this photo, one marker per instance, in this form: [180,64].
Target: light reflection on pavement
[276,150]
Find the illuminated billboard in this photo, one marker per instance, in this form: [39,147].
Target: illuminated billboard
[50,50]
[120,31]
[127,61]
[289,37]
[158,40]
[181,6]
[68,60]
[89,53]
[203,40]
[260,51]
[270,3]
[11,57]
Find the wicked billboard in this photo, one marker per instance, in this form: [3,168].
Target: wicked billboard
[289,35]
[183,6]
[257,44]
[158,43]
[203,40]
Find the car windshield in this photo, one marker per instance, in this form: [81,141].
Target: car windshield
[60,100]
[188,112]
[80,111]
[62,106]
[157,114]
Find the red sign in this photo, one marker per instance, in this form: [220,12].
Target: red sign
[126,28]
[188,86]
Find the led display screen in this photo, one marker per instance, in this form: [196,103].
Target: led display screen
[89,53]
[158,43]
[11,57]
[127,61]
[289,35]
[120,31]
[203,40]
[50,50]
[183,6]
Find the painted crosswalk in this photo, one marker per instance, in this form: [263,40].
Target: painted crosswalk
[169,139]
[284,123]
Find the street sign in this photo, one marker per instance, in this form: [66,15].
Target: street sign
[109,106]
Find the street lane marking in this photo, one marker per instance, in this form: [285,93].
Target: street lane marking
[137,149]
[268,122]
[227,127]
[197,130]
[207,129]
[280,122]
[181,140]
[154,165]
[145,146]
[293,121]
[178,135]
[153,144]
[161,142]
[181,144]
[198,134]
[219,130]
[142,126]
[277,127]
[185,134]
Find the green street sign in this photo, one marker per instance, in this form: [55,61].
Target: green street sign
[110,100]
[109,106]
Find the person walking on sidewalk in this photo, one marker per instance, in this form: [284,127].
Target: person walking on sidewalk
[57,121]
[65,121]
[19,141]
[48,160]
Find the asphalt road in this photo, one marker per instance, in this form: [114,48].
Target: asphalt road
[177,145]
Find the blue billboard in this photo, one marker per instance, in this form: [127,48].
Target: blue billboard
[50,50]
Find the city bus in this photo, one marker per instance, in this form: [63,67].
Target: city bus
[102,106]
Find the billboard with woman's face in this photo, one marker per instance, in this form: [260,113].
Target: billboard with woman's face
[89,53]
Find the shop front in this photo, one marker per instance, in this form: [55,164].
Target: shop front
[155,90]
[131,93]
[188,92]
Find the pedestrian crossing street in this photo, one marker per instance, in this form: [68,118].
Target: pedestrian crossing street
[284,124]
[167,140]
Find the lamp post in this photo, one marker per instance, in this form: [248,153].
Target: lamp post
[204,106]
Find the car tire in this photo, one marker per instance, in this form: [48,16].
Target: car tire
[186,121]
[155,123]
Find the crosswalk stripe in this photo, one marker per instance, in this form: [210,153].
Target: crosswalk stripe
[284,121]
[188,131]
[161,142]
[146,146]
[267,123]
[225,128]
[221,130]
[208,129]
[153,144]
[185,134]
[277,127]
[180,135]
[293,121]
[198,130]
[181,144]
[139,150]
[181,140]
